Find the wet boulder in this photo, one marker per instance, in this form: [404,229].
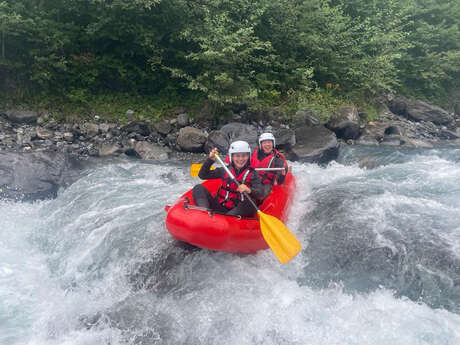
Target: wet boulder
[422,111]
[28,176]
[163,127]
[315,144]
[146,150]
[419,111]
[285,138]
[108,149]
[182,120]
[217,139]
[191,139]
[345,123]
[140,127]
[305,118]
[231,132]
[22,116]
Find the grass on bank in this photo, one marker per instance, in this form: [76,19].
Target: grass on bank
[82,105]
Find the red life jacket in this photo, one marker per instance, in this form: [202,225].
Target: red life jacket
[227,195]
[268,177]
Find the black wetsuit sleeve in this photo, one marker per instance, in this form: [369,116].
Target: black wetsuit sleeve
[206,173]
[257,189]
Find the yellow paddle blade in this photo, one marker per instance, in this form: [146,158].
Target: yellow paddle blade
[195,169]
[278,237]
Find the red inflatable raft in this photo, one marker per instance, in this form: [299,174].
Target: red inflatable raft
[189,223]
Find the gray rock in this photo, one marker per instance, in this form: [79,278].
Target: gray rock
[398,104]
[68,136]
[305,118]
[391,140]
[146,150]
[43,133]
[392,130]
[447,134]
[34,175]
[314,145]
[367,141]
[191,139]
[8,141]
[58,136]
[20,136]
[163,127]
[22,116]
[231,132]
[104,127]
[90,129]
[416,143]
[41,120]
[130,115]
[183,120]
[284,138]
[140,127]
[240,131]
[109,149]
[217,139]
[171,140]
[128,144]
[345,124]
[422,111]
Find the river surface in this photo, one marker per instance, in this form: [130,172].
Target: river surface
[380,263]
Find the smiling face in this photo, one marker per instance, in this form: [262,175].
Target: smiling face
[267,146]
[240,159]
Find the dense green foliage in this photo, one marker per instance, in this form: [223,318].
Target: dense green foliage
[230,50]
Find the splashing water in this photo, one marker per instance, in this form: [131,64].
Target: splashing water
[380,261]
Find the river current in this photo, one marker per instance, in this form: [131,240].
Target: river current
[380,263]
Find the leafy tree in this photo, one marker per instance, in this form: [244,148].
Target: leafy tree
[232,50]
[431,66]
[226,59]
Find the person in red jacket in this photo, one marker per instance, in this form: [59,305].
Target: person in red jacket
[230,198]
[267,156]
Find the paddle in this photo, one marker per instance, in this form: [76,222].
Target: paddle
[195,169]
[275,233]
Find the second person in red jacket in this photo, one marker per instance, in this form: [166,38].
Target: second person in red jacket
[267,156]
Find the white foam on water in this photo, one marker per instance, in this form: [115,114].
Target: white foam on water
[66,268]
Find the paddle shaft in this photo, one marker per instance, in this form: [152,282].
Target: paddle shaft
[270,169]
[234,179]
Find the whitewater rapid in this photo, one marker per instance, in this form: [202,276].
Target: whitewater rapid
[380,261]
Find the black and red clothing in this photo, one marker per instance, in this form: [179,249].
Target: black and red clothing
[274,159]
[228,195]
[228,199]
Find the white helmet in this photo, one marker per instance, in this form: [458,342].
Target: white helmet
[239,146]
[266,136]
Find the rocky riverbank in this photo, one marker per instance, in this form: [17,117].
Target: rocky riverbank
[37,153]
